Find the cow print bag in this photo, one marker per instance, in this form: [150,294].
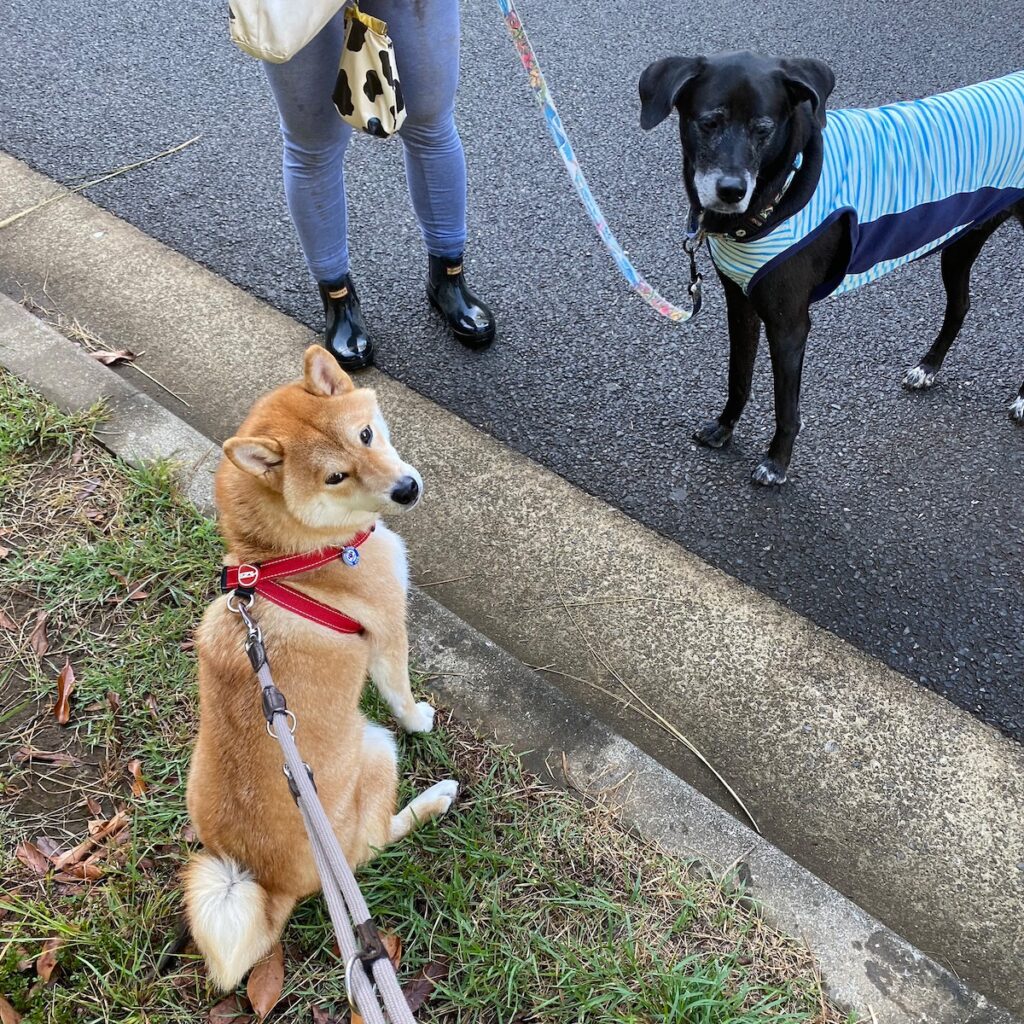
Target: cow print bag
[368,94]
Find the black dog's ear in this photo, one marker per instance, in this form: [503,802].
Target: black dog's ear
[661,85]
[811,80]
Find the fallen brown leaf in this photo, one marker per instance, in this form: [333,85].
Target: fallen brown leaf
[57,757]
[65,687]
[47,961]
[38,640]
[6,622]
[321,1016]
[108,358]
[188,644]
[138,595]
[87,871]
[188,834]
[154,709]
[88,490]
[4,552]
[49,848]
[114,701]
[229,1011]
[94,805]
[115,825]
[265,982]
[393,947]
[8,1014]
[32,857]
[418,988]
[138,782]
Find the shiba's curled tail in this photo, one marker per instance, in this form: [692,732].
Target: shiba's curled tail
[228,915]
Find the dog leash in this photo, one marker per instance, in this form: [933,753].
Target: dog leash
[368,970]
[636,281]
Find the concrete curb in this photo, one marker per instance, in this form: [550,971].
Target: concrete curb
[866,965]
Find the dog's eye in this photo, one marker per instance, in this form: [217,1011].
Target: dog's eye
[709,123]
[762,128]
[335,479]
[366,436]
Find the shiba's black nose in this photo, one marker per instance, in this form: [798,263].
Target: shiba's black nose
[731,190]
[406,491]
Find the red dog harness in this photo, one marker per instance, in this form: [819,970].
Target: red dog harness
[259,578]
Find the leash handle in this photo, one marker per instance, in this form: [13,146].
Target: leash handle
[541,93]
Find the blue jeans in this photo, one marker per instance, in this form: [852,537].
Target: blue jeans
[426,38]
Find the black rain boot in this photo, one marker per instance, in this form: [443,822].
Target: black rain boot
[470,320]
[345,335]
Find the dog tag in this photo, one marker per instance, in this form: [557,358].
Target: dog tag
[350,556]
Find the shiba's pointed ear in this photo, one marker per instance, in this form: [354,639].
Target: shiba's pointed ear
[810,80]
[323,376]
[661,85]
[258,456]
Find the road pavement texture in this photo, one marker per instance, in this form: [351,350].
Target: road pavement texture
[907,804]
[900,530]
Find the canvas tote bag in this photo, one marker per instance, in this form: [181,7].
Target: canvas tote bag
[275,30]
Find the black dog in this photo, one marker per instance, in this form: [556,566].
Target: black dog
[790,214]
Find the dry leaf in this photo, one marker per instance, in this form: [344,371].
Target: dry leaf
[49,848]
[393,947]
[187,644]
[122,355]
[265,982]
[32,857]
[88,490]
[188,834]
[8,1014]
[6,622]
[95,807]
[321,1016]
[116,825]
[229,1011]
[48,959]
[137,595]
[114,701]
[4,552]
[65,687]
[57,757]
[38,638]
[419,988]
[153,707]
[138,782]
[87,871]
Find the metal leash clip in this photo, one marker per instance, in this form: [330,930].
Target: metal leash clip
[691,243]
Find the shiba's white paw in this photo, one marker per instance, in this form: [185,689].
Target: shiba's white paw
[440,796]
[421,719]
[1017,409]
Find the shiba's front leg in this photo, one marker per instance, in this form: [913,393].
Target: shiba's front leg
[389,670]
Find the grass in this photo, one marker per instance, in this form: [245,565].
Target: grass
[546,910]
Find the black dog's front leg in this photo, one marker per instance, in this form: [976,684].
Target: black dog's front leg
[787,340]
[744,334]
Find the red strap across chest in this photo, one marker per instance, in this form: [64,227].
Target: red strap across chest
[259,578]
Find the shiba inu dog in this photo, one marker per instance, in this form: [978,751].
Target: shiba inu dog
[311,469]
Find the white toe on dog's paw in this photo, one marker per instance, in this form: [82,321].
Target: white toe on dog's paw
[1017,409]
[421,719]
[445,792]
[768,474]
[918,378]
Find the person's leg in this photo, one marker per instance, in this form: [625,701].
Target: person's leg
[426,39]
[315,140]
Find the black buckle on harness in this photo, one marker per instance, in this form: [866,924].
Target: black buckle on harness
[293,786]
[371,948]
[273,699]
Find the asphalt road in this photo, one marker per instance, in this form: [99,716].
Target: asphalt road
[901,529]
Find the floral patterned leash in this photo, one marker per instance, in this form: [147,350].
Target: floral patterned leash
[636,281]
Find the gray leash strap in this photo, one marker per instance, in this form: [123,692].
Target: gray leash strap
[345,903]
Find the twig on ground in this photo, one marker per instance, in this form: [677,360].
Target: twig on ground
[14,217]
[660,719]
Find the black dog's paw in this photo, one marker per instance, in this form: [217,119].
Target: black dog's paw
[919,378]
[768,473]
[713,434]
